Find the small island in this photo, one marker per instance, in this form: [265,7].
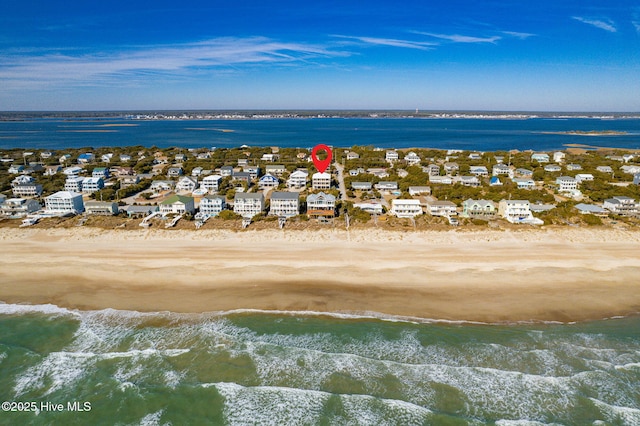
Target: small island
[588,133]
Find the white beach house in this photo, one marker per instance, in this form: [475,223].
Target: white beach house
[212,205]
[405,208]
[73,184]
[178,204]
[298,179]
[321,181]
[566,184]
[211,183]
[441,208]
[284,204]
[64,202]
[91,185]
[18,207]
[321,205]
[248,205]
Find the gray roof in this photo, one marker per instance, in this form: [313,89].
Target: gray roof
[285,195]
[314,197]
[591,208]
[248,195]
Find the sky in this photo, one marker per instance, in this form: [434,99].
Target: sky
[513,55]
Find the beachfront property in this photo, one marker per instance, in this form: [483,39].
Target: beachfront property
[412,159]
[584,177]
[187,184]
[284,204]
[566,184]
[64,202]
[321,181]
[158,186]
[419,190]
[369,207]
[441,208]
[524,183]
[361,186]
[559,156]
[91,185]
[386,186]
[268,181]
[27,189]
[479,209]
[591,209]
[432,169]
[500,169]
[480,171]
[604,169]
[298,179]
[321,205]
[552,168]
[211,183]
[178,204]
[471,181]
[391,156]
[212,205]
[139,211]
[275,169]
[253,171]
[624,206]
[100,172]
[443,180]
[101,208]
[86,158]
[573,167]
[73,184]
[248,205]
[18,207]
[517,211]
[540,157]
[405,208]
[174,172]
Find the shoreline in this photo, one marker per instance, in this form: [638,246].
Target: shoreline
[484,276]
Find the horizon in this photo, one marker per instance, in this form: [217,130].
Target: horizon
[338,56]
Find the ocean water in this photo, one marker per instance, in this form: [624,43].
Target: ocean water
[467,134]
[259,368]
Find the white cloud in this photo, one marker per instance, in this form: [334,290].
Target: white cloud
[179,59]
[636,24]
[603,24]
[521,36]
[457,38]
[391,42]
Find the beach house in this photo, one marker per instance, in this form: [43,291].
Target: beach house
[158,186]
[386,186]
[101,208]
[268,181]
[275,169]
[211,183]
[91,185]
[524,183]
[16,169]
[500,169]
[351,155]
[285,204]
[495,181]
[621,205]
[584,177]
[178,204]
[566,184]
[441,208]
[174,172]
[298,179]
[591,209]
[370,207]
[540,157]
[86,158]
[253,171]
[604,169]
[26,189]
[52,170]
[226,171]
[636,179]
[241,177]
[187,184]
[100,172]
[321,181]
[524,173]
[412,159]
[479,209]
[18,207]
[479,171]
[73,184]
[212,205]
[419,190]
[432,169]
[125,158]
[451,167]
[630,169]
[321,205]
[472,181]
[516,211]
[391,156]
[64,202]
[73,171]
[126,181]
[574,167]
[405,208]
[248,205]
[106,158]
[361,186]
[559,156]
[552,168]
[443,180]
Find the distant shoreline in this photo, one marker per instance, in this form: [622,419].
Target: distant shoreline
[588,133]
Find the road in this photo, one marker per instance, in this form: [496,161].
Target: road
[343,188]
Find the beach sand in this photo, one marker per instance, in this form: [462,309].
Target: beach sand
[490,276]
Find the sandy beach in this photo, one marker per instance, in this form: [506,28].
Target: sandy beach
[491,276]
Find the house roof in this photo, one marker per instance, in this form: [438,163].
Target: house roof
[213,197]
[591,208]
[65,194]
[248,196]
[177,198]
[320,196]
[283,195]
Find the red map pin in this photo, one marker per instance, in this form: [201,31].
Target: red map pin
[321,165]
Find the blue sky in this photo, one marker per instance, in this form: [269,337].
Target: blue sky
[432,55]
